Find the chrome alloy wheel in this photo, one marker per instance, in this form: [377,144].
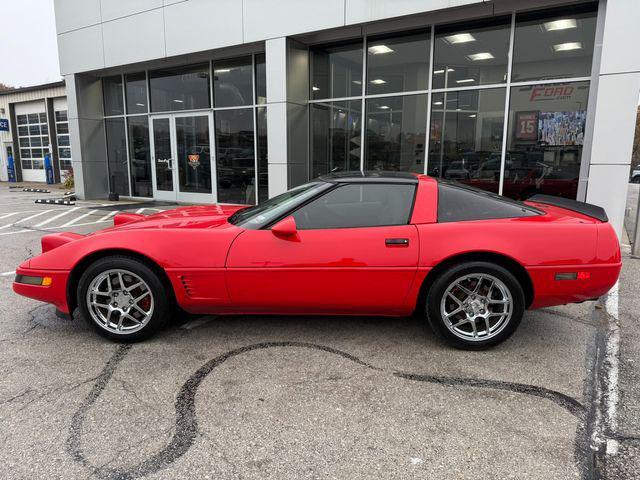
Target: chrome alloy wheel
[476,307]
[120,301]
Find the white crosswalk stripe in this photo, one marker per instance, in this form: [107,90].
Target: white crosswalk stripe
[107,216]
[25,219]
[77,219]
[55,217]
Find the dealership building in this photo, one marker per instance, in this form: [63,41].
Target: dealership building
[235,101]
[34,125]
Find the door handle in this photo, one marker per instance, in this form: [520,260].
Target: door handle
[396,242]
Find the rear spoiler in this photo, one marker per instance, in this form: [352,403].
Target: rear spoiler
[587,209]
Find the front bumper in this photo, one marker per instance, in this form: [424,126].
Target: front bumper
[549,292]
[55,293]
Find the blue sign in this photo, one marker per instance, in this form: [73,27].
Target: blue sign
[4,125]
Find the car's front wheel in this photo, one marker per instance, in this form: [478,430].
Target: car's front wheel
[123,299]
[475,305]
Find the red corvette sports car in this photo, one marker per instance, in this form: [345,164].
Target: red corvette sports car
[346,244]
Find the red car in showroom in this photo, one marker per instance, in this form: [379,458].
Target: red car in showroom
[358,243]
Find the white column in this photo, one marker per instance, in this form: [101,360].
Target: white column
[287,129]
[616,102]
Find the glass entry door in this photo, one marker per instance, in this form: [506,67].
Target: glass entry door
[181,157]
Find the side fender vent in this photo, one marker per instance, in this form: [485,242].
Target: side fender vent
[188,285]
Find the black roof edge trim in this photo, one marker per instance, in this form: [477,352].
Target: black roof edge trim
[370,177]
[588,209]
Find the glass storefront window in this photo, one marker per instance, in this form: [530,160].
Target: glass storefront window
[466,136]
[117,155]
[261,78]
[336,70]
[554,44]
[475,53]
[232,82]
[112,93]
[546,135]
[398,63]
[140,156]
[395,133]
[335,136]
[235,161]
[136,92]
[183,88]
[263,163]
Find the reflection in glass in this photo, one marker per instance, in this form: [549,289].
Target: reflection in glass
[336,70]
[162,153]
[261,79]
[112,93]
[235,161]
[136,92]
[140,157]
[473,54]
[335,136]
[232,82]
[398,64]
[466,136]
[546,135]
[194,154]
[554,43]
[182,88]
[117,155]
[263,163]
[395,135]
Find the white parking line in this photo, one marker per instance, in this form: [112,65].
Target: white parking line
[17,231]
[77,219]
[16,213]
[107,216]
[25,219]
[612,359]
[55,217]
[7,274]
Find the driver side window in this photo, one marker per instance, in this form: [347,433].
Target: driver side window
[358,205]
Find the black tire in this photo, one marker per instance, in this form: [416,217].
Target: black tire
[161,306]
[636,179]
[438,289]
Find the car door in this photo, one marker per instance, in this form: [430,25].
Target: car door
[354,252]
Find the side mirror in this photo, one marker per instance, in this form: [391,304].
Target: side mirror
[285,227]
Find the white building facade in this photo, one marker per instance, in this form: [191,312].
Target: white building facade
[234,101]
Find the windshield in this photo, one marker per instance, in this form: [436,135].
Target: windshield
[263,214]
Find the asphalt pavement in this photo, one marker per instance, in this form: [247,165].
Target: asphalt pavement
[308,397]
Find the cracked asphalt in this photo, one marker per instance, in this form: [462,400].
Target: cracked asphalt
[315,397]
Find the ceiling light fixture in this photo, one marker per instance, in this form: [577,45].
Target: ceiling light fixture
[379,49]
[472,116]
[438,72]
[565,47]
[378,81]
[562,24]
[140,104]
[315,89]
[384,107]
[178,101]
[474,57]
[357,82]
[459,38]
[437,103]
[222,70]
[466,80]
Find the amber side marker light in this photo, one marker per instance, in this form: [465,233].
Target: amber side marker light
[573,276]
[29,280]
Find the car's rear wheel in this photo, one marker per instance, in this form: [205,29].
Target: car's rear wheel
[475,305]
[123,299]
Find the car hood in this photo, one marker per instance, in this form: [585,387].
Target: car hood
[204,216]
